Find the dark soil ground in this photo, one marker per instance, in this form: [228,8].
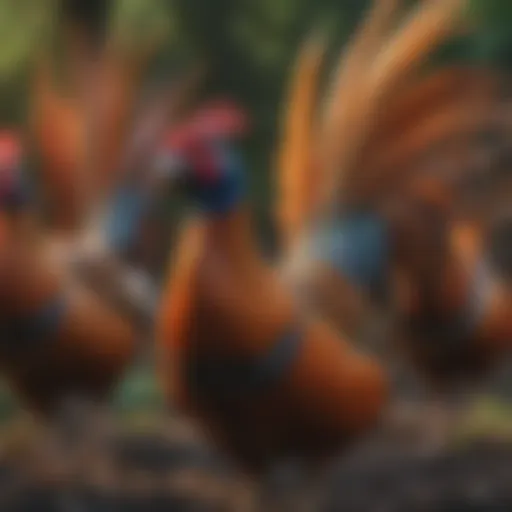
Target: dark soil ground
[156,472]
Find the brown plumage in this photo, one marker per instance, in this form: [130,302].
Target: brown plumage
[378,90]
[352,109]
[223,303]
[365,99]
[86,353]
[80,345]
[58,131]
[413,147]
[463,181]
[79,137]
[452,310]
[424,121]
[297,176]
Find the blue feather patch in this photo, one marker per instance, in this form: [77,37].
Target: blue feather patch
[125,217]
[358,247]
[225,191]
[16,192]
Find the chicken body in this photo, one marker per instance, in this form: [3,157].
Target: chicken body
[265,378]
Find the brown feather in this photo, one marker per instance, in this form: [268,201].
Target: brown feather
[392,67]
[297,176]
[57,127]
[462,117]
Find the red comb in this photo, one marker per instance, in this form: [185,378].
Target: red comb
[221,119]
[10,150]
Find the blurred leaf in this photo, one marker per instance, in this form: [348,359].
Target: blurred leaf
[139,391]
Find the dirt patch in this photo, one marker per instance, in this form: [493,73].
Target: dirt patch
[155,472]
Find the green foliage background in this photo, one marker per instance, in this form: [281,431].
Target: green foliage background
[249,47]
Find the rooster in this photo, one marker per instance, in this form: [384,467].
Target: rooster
[237,350]
[416,210]
[340,258]
[226,315]
[63,349]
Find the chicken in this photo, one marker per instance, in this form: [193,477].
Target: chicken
[420,184]
[265,378]
[338,251]
[208,311]
[427,173]
[58,340]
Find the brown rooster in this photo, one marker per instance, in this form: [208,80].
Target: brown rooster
[340,258]
[58,340]
[240,353]
[421,188]
[61,343]
[227,318]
